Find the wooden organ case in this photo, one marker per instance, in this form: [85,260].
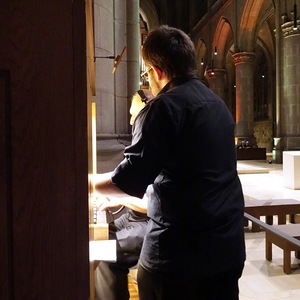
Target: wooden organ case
[46,156]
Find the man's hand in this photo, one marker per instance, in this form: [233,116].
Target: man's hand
[104,203]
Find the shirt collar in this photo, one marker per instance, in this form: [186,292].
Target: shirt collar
[175,82]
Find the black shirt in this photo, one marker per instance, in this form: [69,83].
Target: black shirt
[183,149]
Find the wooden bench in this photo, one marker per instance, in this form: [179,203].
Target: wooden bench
[286,237]
[270,208]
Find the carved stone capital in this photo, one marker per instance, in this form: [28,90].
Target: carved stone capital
[243,57]
[288,29]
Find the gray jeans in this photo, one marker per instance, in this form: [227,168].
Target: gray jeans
[111,277]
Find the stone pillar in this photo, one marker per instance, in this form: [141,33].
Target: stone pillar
[133,46]
[104,48]
[244,68]
[127,34]
[116,26]
[290,102]
[279,12]
[110,39]
[120,41]
[112,34]
[216,80]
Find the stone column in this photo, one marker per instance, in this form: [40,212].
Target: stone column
[120,41]
[244,68]
[279,12]
[290,102]
[104,48]
[110,21]
[216,80]
[133,46]
[127,34]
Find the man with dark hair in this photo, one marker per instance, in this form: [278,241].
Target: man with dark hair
[183,155]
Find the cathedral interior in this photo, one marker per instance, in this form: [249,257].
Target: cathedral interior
[68,72]
[247,53]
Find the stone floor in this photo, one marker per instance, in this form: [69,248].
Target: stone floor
[261,279]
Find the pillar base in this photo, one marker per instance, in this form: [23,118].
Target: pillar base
[277,156]
[290,143]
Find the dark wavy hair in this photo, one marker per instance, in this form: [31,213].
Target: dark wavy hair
[171,50]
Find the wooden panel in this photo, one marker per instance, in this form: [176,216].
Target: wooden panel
[5,190]
[43,47]
[83,157]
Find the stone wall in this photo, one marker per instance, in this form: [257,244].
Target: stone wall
[263,133]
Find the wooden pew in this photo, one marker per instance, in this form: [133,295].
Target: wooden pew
[270,208]
[284,236]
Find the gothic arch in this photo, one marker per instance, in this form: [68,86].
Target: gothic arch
[223,39]
[149,14]
[201,52]
[223,43]
[248,23]
[264,84]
